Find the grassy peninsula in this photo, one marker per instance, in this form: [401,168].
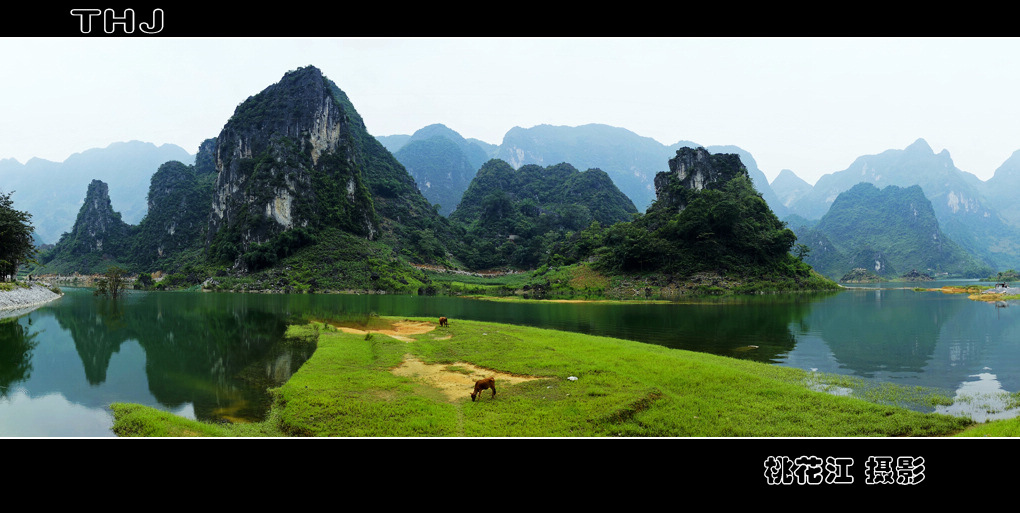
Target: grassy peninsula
[394,377]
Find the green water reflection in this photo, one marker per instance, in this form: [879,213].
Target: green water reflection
[211,356]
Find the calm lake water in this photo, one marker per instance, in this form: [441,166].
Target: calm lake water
[211,356]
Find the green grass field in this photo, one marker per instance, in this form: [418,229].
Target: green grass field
[349,387]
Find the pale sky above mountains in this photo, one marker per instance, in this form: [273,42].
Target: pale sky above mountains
[811,105]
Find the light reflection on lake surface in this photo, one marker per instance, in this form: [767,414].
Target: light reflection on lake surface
[212,355]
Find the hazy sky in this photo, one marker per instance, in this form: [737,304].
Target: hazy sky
[805,104]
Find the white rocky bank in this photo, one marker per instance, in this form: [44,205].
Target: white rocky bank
[21,297]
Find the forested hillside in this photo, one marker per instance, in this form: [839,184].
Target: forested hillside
[99,239]
[52,191]
[441,170]
[518,217]
[292,177]
[965,207]
[891,232]
[295,195]
[707,217]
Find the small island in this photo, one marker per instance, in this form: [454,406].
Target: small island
[861,275]
[913,275]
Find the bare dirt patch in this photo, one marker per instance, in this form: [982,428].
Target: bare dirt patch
[455,380]
[398,330]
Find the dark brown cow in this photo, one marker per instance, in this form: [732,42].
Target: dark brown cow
[482,384]
[444,322]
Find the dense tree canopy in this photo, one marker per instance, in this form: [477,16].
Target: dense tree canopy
[112,283]
[532,216]
[728,229]
[16,246]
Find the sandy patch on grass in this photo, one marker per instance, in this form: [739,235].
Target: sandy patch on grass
[398,330]
[455,380]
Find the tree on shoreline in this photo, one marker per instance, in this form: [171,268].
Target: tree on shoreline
[112,283]
[16,246]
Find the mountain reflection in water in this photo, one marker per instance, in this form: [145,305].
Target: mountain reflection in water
[211,356]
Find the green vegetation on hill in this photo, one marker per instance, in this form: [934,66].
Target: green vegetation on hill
[336,262]
[890,231]
[298,174]
[441,162]
[294,194]
[729,233]
[721,239]
[100,239]
[179,199]
[518,218]
[52,191]
[274,177]
[1004,276]
[439,167]
[977,216]
[409,224]
[171,233]
[708,232]
[726,229]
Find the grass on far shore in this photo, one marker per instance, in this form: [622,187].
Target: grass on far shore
[622,388]
[974,292]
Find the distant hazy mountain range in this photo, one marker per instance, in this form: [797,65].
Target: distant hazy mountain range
[981,217]
[789,187]
[53,191]
[441,162]
[890,232]
[630,159]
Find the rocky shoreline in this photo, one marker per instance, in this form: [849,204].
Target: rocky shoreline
[1003,291]
[25,298]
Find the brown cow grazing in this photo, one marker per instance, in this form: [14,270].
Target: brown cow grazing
[482,384]
[444,322]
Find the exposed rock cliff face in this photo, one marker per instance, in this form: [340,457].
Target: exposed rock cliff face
[293,169]
[97,225]
[707,218]
[694,170]
[288,159]
[99,234]
[44,188]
